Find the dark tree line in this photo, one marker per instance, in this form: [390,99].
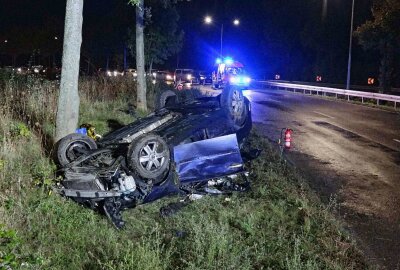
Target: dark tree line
[382,34]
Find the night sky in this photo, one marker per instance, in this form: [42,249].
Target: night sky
[289,37]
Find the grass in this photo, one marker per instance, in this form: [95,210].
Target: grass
[100,114]
[279,224]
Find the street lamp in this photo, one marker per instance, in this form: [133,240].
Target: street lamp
[209,20]
[6,41]
[350,47]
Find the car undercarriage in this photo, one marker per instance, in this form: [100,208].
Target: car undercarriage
[181,148]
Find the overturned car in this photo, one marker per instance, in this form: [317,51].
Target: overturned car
[190,148]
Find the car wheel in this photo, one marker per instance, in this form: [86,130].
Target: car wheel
[73,146]
[149,157]
[232,101]
[166,98]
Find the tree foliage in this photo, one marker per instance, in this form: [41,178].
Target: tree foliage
[384,27]
[140,51]
[162,36]
[383,34]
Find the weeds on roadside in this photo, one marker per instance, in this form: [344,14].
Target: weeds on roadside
[279,224]
[10,252]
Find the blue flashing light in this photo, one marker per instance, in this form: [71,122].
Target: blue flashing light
[228,61]
[240,80]
[218,61]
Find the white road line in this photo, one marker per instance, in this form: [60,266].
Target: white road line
[274,100]
[396,140]
[320,113]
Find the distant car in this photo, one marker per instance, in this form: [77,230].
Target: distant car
[21,70]
[165,76]
[114,73]
[204,77]
[131,72]
[38,69]
[152,74]
[196,77]
[183,75]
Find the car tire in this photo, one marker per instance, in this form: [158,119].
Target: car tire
[149,157]
[165,99]
[233,103]
[67,147]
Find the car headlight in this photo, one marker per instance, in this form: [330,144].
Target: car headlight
[233,80]
[202,78]
[189,77]
[247,80]
[168,77]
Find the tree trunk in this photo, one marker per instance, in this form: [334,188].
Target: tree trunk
[386,68]
[140,63]
[68,100]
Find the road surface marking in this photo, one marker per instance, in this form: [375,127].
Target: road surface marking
[274,100]
[396,140]
[320,113]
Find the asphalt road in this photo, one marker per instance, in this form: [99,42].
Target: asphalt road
[350,154]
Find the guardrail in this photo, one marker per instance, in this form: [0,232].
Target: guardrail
[327,90]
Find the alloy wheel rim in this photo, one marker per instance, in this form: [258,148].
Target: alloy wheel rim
[237,104]
[152,156]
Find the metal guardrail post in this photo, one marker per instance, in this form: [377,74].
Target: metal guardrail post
[337,91]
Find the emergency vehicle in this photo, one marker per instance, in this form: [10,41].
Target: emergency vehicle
[230,72]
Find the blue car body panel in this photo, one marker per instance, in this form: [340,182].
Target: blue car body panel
[208,159]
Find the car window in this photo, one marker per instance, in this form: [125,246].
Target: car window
[235,71]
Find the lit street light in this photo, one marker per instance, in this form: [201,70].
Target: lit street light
[55,38]
[209,20]
[5,41]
